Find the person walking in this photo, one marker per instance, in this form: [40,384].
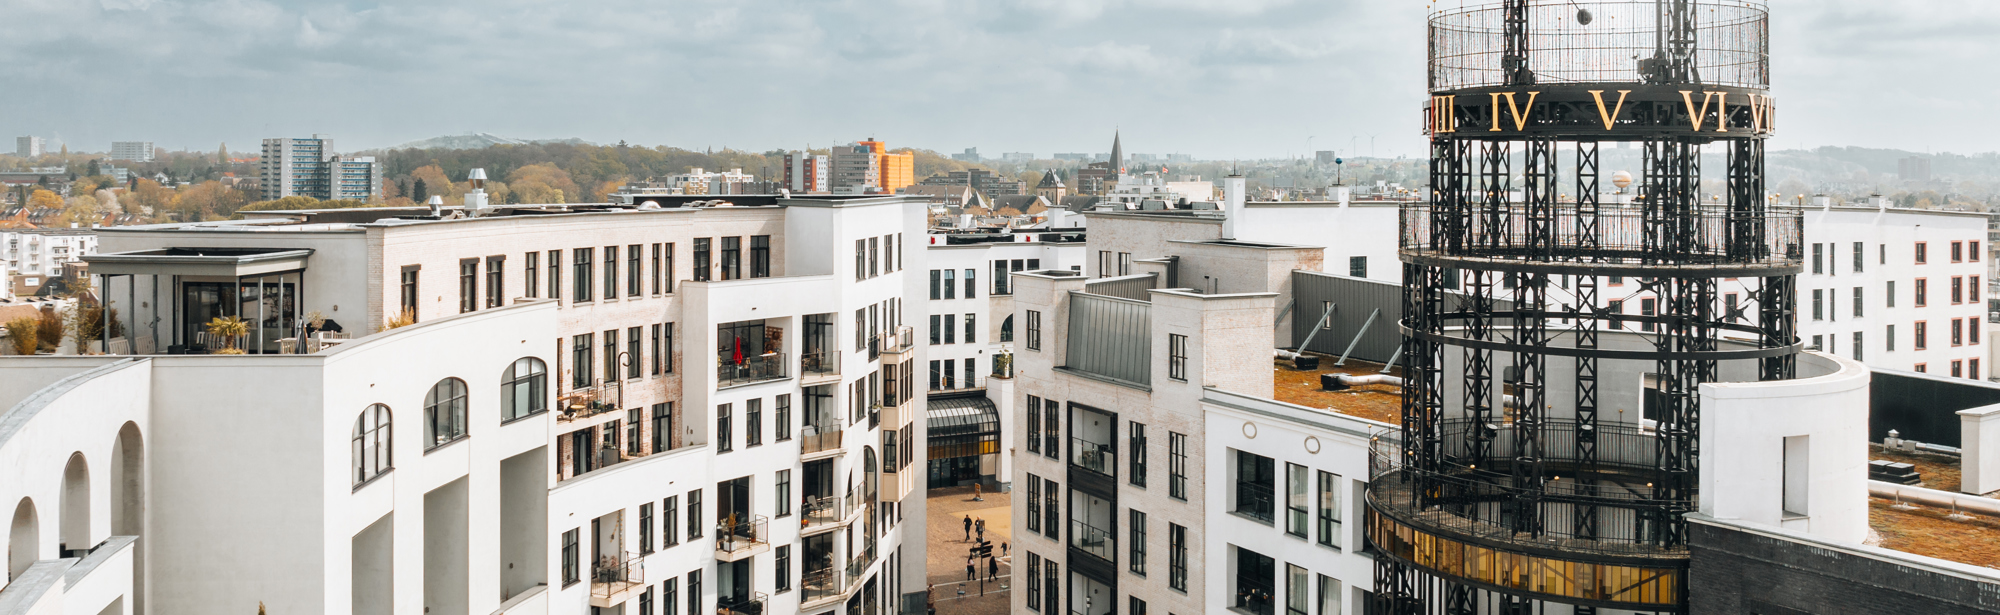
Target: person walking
[968,528]
[980,527]
[1003,549]
[992,568]
[971,571]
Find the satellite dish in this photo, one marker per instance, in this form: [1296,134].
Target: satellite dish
[1583,17]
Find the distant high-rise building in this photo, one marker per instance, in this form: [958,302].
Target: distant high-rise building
[980,180]
[309,167]
[806,173]
[1077,156]
[30,147]
[895,171]
[1018,157]
[1914,169]
[135,151]
[1324,156]
[856,168]
[971,155]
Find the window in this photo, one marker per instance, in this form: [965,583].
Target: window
[694,514]
[669,275]
[531,274]
[1034,425]
[1034,581]
[661,439]
[582,270]
[1857,346]
[722,435]
[701,259]
[633,276]
[1177,465]
[1817,254]
[646,602]
[1298,590]
[889,253]
[1177,356]
[1124,263]
[645,528]
[610,272]
[874,257]
[1649,307]
[555,274]
[580,361]
[1923,252]
[971,283]
[1858,251]
[666,356]
[496,281]
[1034,330]
[1103,263]
[1957,290]
[1137,444]
[1177,557]
[1890,294]
[783,422]
[670,597]
[1137,522]
[1034,503]
[1135,606]
[1859,307]
[1922,368]
[1615,307]
[523,389]
[782,572]
[409,303]
[860,259]
[372,452]
[732,258]
[1732,308]
[635,353]
[1957,252]
[950,328]
[1298,505]
[444,413]
[1819,304]
[937,373]
[1957,332]
[1923,292]
[1922,335]
[760,256]
[655,337]
[468,284]
[571,559]
[1329,596]
[1052,428]
[1007,329]
[937,330]
[1053,578]
[670,513]
[610,354]
[1357,266]
[1889,339]
[1052,510]
[970,336]
[1255,484]
[753,422]
[950,286]
[1001,278]
[655,271]
[694,592]
[1329,509]
[784,494]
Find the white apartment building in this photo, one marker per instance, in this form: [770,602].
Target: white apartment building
[311,167]
[1359,237]
[971,338]
[41,253]
[657,436]
[135,151]
[1896,288]
[30,147]
[1120,376]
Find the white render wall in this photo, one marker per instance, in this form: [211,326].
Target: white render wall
[1899,231]
[1745,470]
[988,310]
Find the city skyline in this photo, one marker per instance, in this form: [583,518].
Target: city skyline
[1324,76]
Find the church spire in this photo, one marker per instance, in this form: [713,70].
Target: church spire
[1117,155]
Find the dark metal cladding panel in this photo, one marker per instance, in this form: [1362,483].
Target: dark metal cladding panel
[1354,299]
[1111,337]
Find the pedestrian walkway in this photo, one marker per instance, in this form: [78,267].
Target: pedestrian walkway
[948,546]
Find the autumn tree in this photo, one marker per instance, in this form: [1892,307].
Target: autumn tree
[148,197]
[43,199]
[541,183]
[208,200]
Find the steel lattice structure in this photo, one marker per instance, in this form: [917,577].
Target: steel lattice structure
[1505,456]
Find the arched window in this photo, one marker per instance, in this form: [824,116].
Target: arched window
[523,389]
[372,453]
[1007,329]
[444,413]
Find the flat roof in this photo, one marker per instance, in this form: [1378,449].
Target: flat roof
[1377,402]
[226,262]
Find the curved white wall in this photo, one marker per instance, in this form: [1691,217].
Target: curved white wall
[1745,427]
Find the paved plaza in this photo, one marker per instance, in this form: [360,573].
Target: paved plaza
[948,547]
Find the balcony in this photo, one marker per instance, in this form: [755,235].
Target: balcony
[752,604]
[1254,500]
[1089,539]
[902,339]
[822,585]
[825,513]
[817,368]
[1253,596]
[615,579]
[817,439]
[590,401]
[1099,458]
[743,540]
[729,372]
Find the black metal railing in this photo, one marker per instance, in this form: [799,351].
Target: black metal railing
[1094,456]
[1613,234]
[819,438]
[745,533]
[819,584]
[820,363]
[826,510]
[1254,595]
[750,604]
[1730,44]
[589,401]
[730,372]
[616,573]
[1093,540]
[1254,500]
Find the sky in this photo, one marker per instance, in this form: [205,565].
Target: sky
[1217,79]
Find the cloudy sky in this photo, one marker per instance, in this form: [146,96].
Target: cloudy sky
[1213,78]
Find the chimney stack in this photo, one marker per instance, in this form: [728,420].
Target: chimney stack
[437,206]
[475,201]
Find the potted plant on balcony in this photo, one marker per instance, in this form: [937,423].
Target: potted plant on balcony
[228,329]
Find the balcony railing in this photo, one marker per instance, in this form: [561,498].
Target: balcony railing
[730,372]
[822,363]
[819,438]
[1090,539]
[874,347]
[590,401]
[901,339]
[744,535]
[820,584]
[959,382]
[1093,456]
[856,567]
[752,604]
[1254,500]
[612,575]
[823,511]
[1253,595]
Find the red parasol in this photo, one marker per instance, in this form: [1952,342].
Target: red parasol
[737,355]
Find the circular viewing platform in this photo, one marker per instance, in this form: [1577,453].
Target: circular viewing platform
[1603,42]
[1606,239]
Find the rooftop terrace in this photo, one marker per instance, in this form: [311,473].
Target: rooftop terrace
[1377,402]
